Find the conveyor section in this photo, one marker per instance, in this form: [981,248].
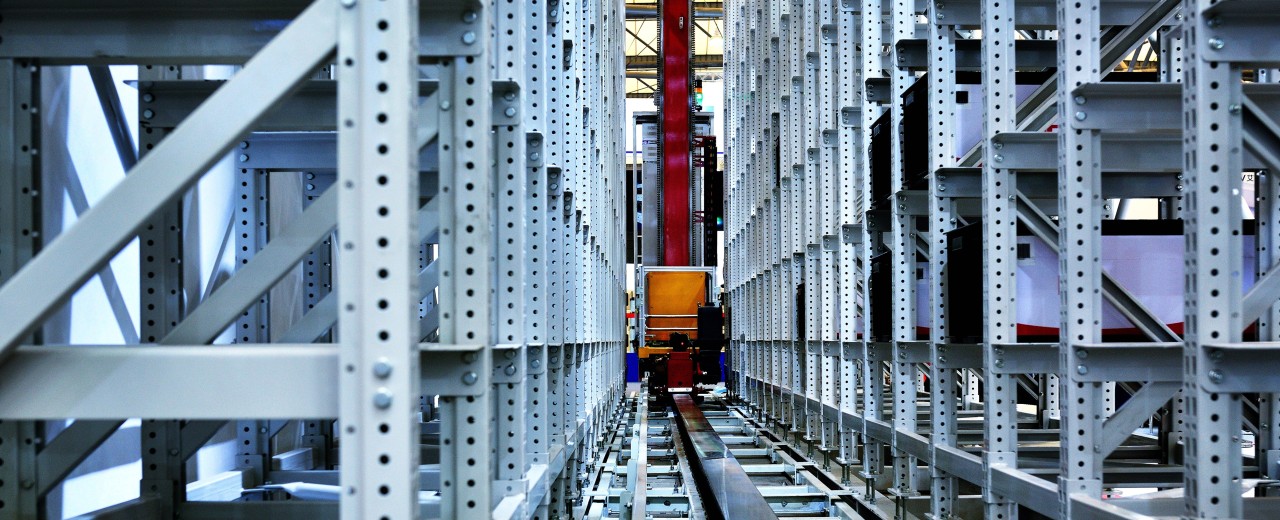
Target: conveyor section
[734,495]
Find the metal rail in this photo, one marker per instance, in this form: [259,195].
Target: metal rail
[647,471]
[734,494]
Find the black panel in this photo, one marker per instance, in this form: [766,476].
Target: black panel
[879,154]
[881,294]
[915,135]
[964,284]
[709,342]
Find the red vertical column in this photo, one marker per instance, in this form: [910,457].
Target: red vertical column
[676,23]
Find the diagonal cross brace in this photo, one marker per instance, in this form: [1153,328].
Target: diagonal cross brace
[66,451]
[1262,137]
[320,318]
[1041,106]
[104,229]
[74,444]
[325,313]
[266,268]
[82,437]
[1141,317]
[35,292]
[1117,428]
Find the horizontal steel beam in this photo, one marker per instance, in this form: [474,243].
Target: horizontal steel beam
[170,382]
[1136,107]
[1038,14]
[1235,24]
[428,476]
[186,33]
[1031,54]
[1239,368]
[277,510]
[1089,507]
[1042,183]
[650,61]
[1146,152]
[1255,508]
[148,506]
[1027,490]
[313,151]
[1148,361]
[312,107]
[701,10]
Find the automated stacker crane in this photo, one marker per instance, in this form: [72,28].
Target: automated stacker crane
[680,317]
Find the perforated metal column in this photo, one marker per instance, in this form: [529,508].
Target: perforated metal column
[377,272]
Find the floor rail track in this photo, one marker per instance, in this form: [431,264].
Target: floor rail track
[716,469]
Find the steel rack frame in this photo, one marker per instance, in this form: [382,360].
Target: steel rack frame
[460,164]
[805,82]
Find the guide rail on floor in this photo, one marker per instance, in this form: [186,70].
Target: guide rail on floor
[734,495]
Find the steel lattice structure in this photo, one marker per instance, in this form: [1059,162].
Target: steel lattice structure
[460,164]
[809,82]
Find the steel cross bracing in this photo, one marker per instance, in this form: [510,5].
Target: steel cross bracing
[805,82]
[454,170]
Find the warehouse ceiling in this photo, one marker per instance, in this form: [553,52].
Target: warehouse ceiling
[642,44]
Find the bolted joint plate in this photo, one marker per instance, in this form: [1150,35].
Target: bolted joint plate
[850,116]
[831,349]
[912,352]
[828,33]
[1229,34]
[1139,361]
[1024,358]
[878,221]
[914,202]
[506,103]
[830,138]
[444,26]
[455,370]
[878,90]
[851,350]
[878,351]
[509,363]
[830,243]
[553,181]
[534,155]
[1238,368]
[851,234]
[534,356]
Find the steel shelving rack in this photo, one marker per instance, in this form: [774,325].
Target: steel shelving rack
[805,82]
[502,294]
